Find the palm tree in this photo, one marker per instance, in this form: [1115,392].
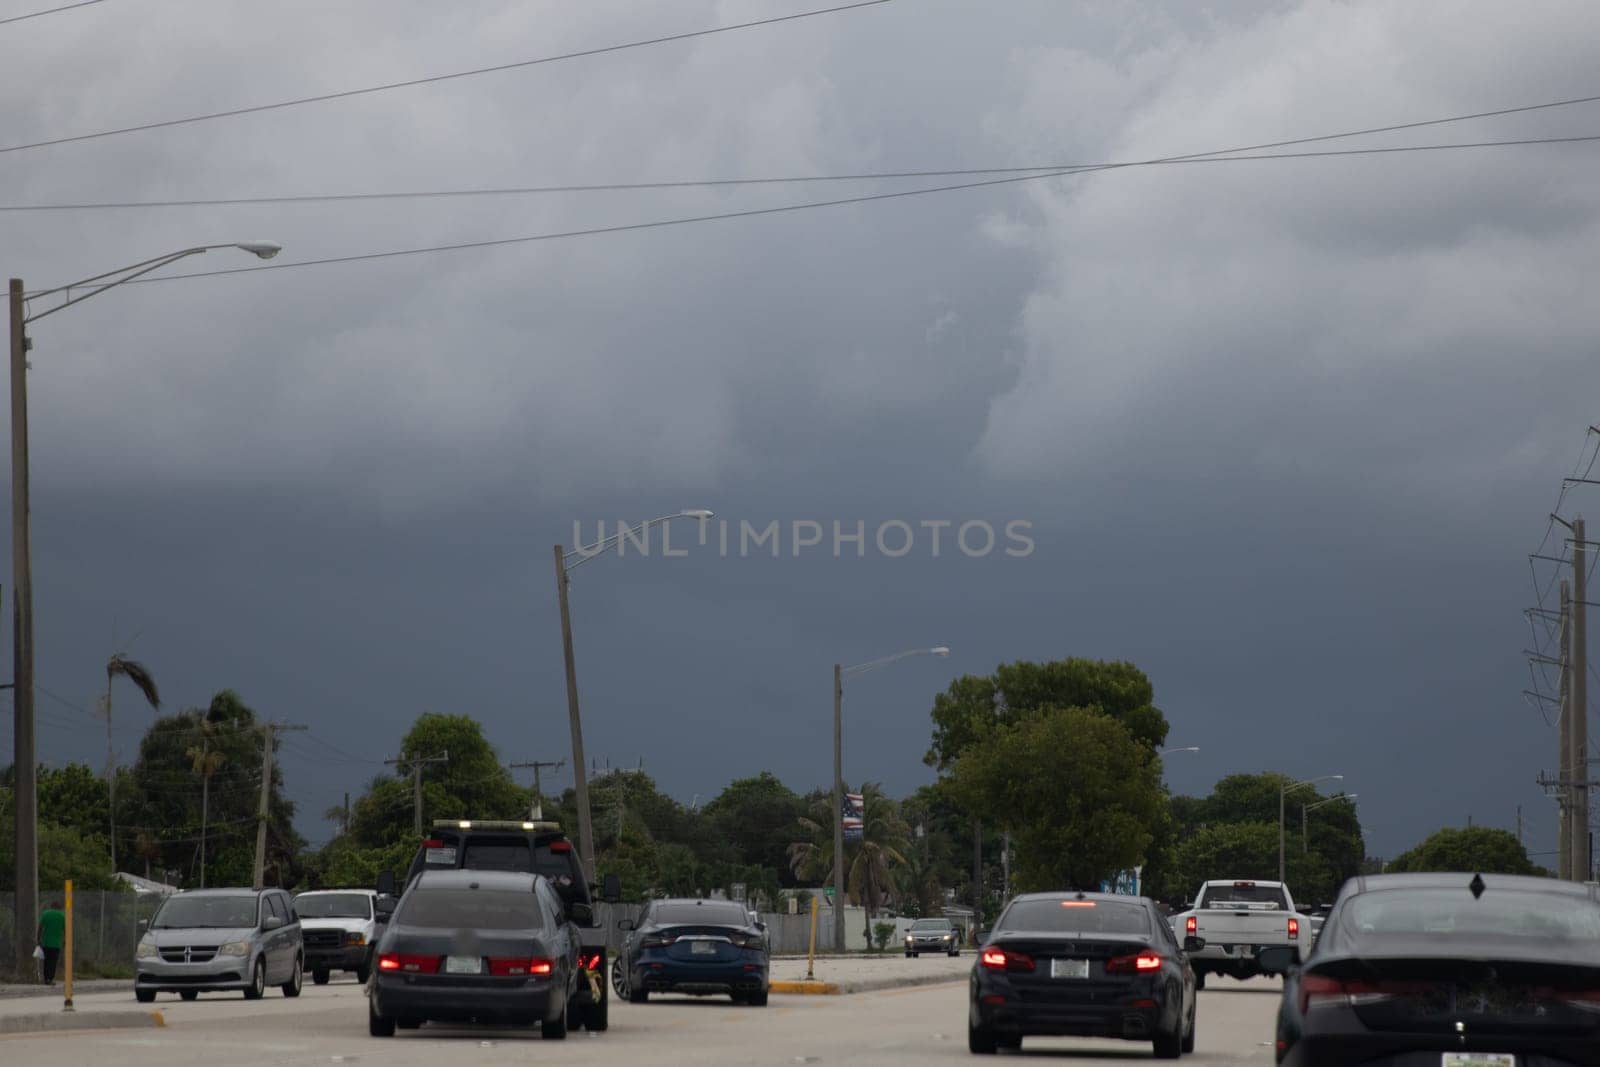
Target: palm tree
[870,865]
[136,673]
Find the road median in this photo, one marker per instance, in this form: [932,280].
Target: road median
[42,1022]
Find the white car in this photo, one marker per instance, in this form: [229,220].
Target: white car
[339,928]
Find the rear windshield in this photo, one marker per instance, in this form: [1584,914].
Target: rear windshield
[689,914]
[216,912]
[511,855]
[1075,916]
[474,909]
[333,906]
[1245,897]
[931,924]
[1498,913]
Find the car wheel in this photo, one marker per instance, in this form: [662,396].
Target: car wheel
[596,1016]
[555,1029]
[1169,1046]
[619,977]
[1199,980]
[363,973]
[756,1000]
[144,996]
[408,1022]
[186,994]
[297,978]
[319,977]
[1188,1035]
[955,952]
[638,996]
[258,981]
[908,954]
[914,955]
[1011,1044]
[980,1040]
[377,1025]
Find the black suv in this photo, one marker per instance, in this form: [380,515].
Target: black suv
[534,848]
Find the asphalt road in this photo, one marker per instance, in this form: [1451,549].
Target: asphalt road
[327,1025]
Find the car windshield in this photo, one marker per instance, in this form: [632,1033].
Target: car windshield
[691,914]
[1246,898]
[476,909]
[940,925]
[1498,913]
[1075,916]
[181,912]
[333,906]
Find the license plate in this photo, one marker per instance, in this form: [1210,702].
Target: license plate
[1069,968]
[440,857]
[463,965]
[1479,1059]
[702,948]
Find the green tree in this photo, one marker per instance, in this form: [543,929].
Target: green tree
[756,817]
[1475,849]
[1248,850]
[1078,815]
[871,865]
[75,797]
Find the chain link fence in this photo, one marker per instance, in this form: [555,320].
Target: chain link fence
[105,927]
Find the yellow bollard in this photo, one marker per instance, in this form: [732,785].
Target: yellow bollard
[811,954]
[66,948]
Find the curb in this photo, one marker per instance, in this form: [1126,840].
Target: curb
[804,988]
[862,985]
[89,1020]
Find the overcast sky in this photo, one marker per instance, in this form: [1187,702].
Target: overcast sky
[1284,431]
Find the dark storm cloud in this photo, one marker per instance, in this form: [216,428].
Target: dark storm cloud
[1284,429]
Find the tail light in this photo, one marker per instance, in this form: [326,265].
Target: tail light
[591,963]
[432,842]
[561,846]
[1319,990]
[746,940]
[657,940]
[1191,926]
[1294,928]
[520,967]
[1136,963]
[400,963]
[999,959]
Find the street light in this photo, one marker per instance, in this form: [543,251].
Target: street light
[26,786]
[1284,792]
[839,674]
[1305,844]
[1186,748]
[580,774]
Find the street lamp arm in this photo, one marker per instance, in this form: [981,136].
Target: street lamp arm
[1312,781]
[264,249]
[1330,800]
[863,668]
[585,553]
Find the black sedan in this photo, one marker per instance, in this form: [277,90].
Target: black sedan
[700,947]
[1451,969]
[1083,965]
[476,946]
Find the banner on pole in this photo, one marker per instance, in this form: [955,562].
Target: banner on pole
[854,816]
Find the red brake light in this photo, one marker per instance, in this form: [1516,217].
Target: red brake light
[393,961]
[1138,963]
[1294,927]
[561,846]
[1191,926]
[591,963]
[999,959]
[520,967]
[433,842]
[1318,990]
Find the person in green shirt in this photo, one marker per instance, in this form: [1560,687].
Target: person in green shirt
[52,928]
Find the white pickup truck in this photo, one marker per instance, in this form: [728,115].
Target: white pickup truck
[1236,920]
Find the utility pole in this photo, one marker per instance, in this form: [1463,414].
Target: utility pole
[537,810]
[269,738]
[1578,719]
[580,781]
[1565,768]
[977,878]
[344,823]
[838,811]
[23,762]
[416,766]
[1005,864]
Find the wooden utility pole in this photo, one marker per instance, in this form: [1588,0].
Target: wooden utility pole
[416,766]
[1577,672]
[269,738]
[1565,769]
[536,811]
[25,790]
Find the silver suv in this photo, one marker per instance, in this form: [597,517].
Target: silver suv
[207,940]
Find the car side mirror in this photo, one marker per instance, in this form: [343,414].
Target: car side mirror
[761,926]
[580,913]
[386,884]
[272,922]
[625,924]
[1278,959]
[144,924]
[611,889]
[1193,944]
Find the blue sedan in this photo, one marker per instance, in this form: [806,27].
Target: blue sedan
[698,947]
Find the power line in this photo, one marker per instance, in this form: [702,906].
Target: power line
[434,78]
[707,183]
[594,231]
[50,11]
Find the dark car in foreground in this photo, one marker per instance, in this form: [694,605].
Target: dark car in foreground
[699,947]
[476,946]
[1082,965]
[1458,970]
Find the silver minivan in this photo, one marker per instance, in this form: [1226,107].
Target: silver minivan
[208,940]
